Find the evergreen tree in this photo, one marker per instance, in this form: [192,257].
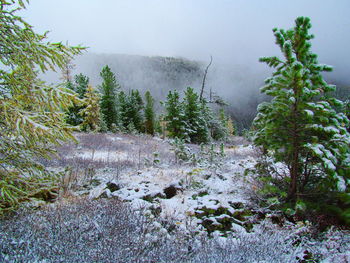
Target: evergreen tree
[218,126]
[73,115]
[135,110]
[81,85]
[196,123]
[130,111]
[109,89]
[91,110]
[149,114]
[299,126]
[123,109]
[174,116]
[31,119]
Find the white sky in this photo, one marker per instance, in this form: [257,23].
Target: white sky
[238,31]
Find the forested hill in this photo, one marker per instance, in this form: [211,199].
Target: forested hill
[238,85]
[157,74]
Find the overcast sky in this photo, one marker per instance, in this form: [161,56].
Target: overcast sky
[236,31]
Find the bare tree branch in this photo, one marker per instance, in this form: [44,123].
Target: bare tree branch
[204,78]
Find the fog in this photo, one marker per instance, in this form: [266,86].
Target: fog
[235,32]
[232,31]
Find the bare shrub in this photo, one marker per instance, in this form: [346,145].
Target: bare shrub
[109,231]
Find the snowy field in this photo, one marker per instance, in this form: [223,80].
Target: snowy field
[131,199]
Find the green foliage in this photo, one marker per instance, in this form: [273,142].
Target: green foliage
[130,111]
[91,110]
[31,117]
[196,123]
[182,152]
[149,114]
[192,119]
[300,126]
[109,89]
[81,85]
[73,115]
[219,126]
[174,117]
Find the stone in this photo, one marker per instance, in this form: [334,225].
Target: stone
[236,205]
[171,190]
[113,187]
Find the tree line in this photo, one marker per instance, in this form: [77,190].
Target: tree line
[110,109]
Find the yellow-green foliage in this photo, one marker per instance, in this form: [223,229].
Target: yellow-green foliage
[230,127]
[91,110]
[31,118]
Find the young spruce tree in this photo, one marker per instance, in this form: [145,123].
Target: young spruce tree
[73,115]
[196,123]
[109,89]
[299,126]
[149,114]
[174,116]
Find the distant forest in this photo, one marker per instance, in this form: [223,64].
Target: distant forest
[239,86]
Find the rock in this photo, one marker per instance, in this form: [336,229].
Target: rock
[48,195]
[277,219]
[113,186]
[100,192]
[172,190]
[236,205]
[242,215]
[152,196]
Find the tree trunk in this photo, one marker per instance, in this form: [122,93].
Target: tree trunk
[294,176]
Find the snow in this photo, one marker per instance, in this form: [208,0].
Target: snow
[145,188]
[341,184]
[328,164]
[309,113]
[316,148]
[331,129]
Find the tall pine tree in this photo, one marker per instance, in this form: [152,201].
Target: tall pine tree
[149,114]
[299,126]
[81,82]
[196,123]
[174,116]
[109,89]
[81,85]
[135,110]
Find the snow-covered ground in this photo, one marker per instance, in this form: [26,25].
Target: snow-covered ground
[208,195]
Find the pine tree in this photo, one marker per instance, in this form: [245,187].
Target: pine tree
[31,118]
[174,116]
[109,89]
[123,109]
[91,110]
[135,110]
[196,124]
[130,111]
[300,127]
[218,126]
[81,85]
[73,115]
[149,114]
